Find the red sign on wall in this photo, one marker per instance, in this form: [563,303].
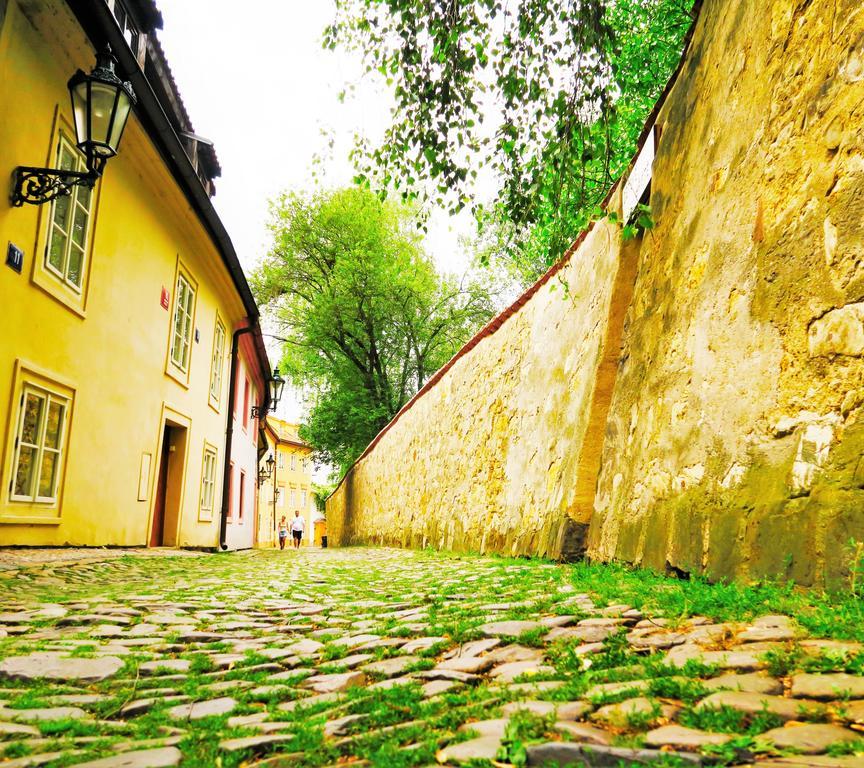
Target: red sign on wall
[166,298]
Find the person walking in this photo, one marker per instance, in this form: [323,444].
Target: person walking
[298,527]
[283,532]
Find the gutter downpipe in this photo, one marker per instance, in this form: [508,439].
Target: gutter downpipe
[229,432]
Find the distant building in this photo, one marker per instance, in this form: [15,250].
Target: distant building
[129,338]
[289,489]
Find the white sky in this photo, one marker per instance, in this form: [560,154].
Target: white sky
[256,81]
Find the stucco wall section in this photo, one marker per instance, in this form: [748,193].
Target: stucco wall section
[488,458]
[735,437]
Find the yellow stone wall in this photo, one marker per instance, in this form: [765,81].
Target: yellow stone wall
[488,458]
[735,434]
[718,429]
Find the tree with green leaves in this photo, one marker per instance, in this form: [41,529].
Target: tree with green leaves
[550,95]
[363,316]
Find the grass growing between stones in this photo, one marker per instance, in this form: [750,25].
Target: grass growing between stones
[838,614]
[194,630]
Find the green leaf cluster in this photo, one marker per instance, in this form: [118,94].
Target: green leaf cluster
[363,316]
[549,95]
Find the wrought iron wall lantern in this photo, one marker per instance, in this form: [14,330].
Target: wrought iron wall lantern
[265,474]
[101,104]
[276,384]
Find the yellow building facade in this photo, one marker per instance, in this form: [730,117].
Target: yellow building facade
[118,324]
[289,487]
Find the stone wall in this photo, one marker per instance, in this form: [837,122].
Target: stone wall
[694,399]
[487,457]
[735,437]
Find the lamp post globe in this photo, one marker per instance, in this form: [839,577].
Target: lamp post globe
[101,104]
[277,384]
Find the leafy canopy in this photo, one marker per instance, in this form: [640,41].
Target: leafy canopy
[363,315]
[549,95]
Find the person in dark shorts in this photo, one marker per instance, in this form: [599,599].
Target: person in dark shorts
[298,527]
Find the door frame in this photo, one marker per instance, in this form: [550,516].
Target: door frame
[159,498]
[169,417]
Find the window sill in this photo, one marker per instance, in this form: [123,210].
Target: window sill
[172,372]
[28,520]
[74,302]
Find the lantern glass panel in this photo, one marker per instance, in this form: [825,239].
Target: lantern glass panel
[102,100]
[79,111]
[124,105]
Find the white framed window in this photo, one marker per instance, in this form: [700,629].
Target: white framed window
[69,228]
[280,460]
[293,461]
[130,32]
[293,498]
[280,496]
[246,402]
[303,499]
[208,479]
[216,364]
[39,445]
[241,506]
[181,334]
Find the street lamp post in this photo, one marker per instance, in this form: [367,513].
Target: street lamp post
[101,105]
[265,474]
[276,384]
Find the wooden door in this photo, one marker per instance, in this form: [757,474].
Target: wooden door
[157,529]
[319,532]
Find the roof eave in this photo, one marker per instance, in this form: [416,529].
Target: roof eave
[100,26]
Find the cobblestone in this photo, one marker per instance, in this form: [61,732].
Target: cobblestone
[394,658]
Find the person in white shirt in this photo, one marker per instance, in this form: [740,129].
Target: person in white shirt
[298,526]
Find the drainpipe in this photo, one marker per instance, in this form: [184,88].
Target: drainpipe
[275,468]
[229,433]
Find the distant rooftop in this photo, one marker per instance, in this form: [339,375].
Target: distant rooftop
[286,432]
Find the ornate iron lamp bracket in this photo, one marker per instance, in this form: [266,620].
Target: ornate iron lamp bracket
[42,185]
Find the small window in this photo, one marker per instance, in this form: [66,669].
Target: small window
[181,336]
[303,500]
[280,460]
[230,514]
[217,362]
[39,445]
[68,234]
[293,461]
[208,479]
[126,25]
[280,496]
[242,499]
[245,403]
[293,498]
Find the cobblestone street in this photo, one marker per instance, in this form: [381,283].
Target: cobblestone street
[398,658]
